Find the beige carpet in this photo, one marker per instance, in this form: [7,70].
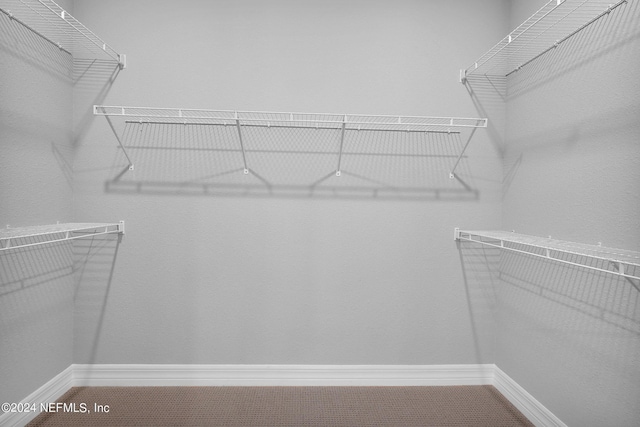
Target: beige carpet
[287,406]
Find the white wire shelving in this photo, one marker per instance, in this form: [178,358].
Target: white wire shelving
[22,237]
[239,120]
[620,262]
[55,25]
[545,30]
[287,119]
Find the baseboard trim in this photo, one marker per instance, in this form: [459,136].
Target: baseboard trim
[281,375]
[285,375]
[49,392]
[535,411]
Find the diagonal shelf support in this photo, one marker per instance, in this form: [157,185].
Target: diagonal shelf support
[344,124]
[115,133]
[244,156]
[452,173]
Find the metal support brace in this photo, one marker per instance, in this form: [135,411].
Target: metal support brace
[451,174]
[344,124]
[244,157]
[119,142]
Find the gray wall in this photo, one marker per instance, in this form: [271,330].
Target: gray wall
[569,337]
[205,279]
[36,156]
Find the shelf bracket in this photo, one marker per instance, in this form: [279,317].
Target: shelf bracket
[344,124]
[452,173]
[113,129]
[244,157]
[462,78]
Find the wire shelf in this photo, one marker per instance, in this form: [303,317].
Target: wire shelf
[241,129]
[313,120]
[546,29]
[22,237]
[622,262]
[51,22]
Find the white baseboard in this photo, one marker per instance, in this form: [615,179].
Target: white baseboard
[537,413]
[285,375]
[48,393]
[281,375]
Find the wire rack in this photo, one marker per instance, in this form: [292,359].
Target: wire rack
[51,22]
[239,135]
[621,262]
[22,237]
[546,29]
[312,120]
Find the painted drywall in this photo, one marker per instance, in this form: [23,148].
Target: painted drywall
[570,337]
[276,280]
[36,154]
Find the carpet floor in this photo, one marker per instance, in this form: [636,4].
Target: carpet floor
[472,406]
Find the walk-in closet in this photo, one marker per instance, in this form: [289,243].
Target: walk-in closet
[320,212]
